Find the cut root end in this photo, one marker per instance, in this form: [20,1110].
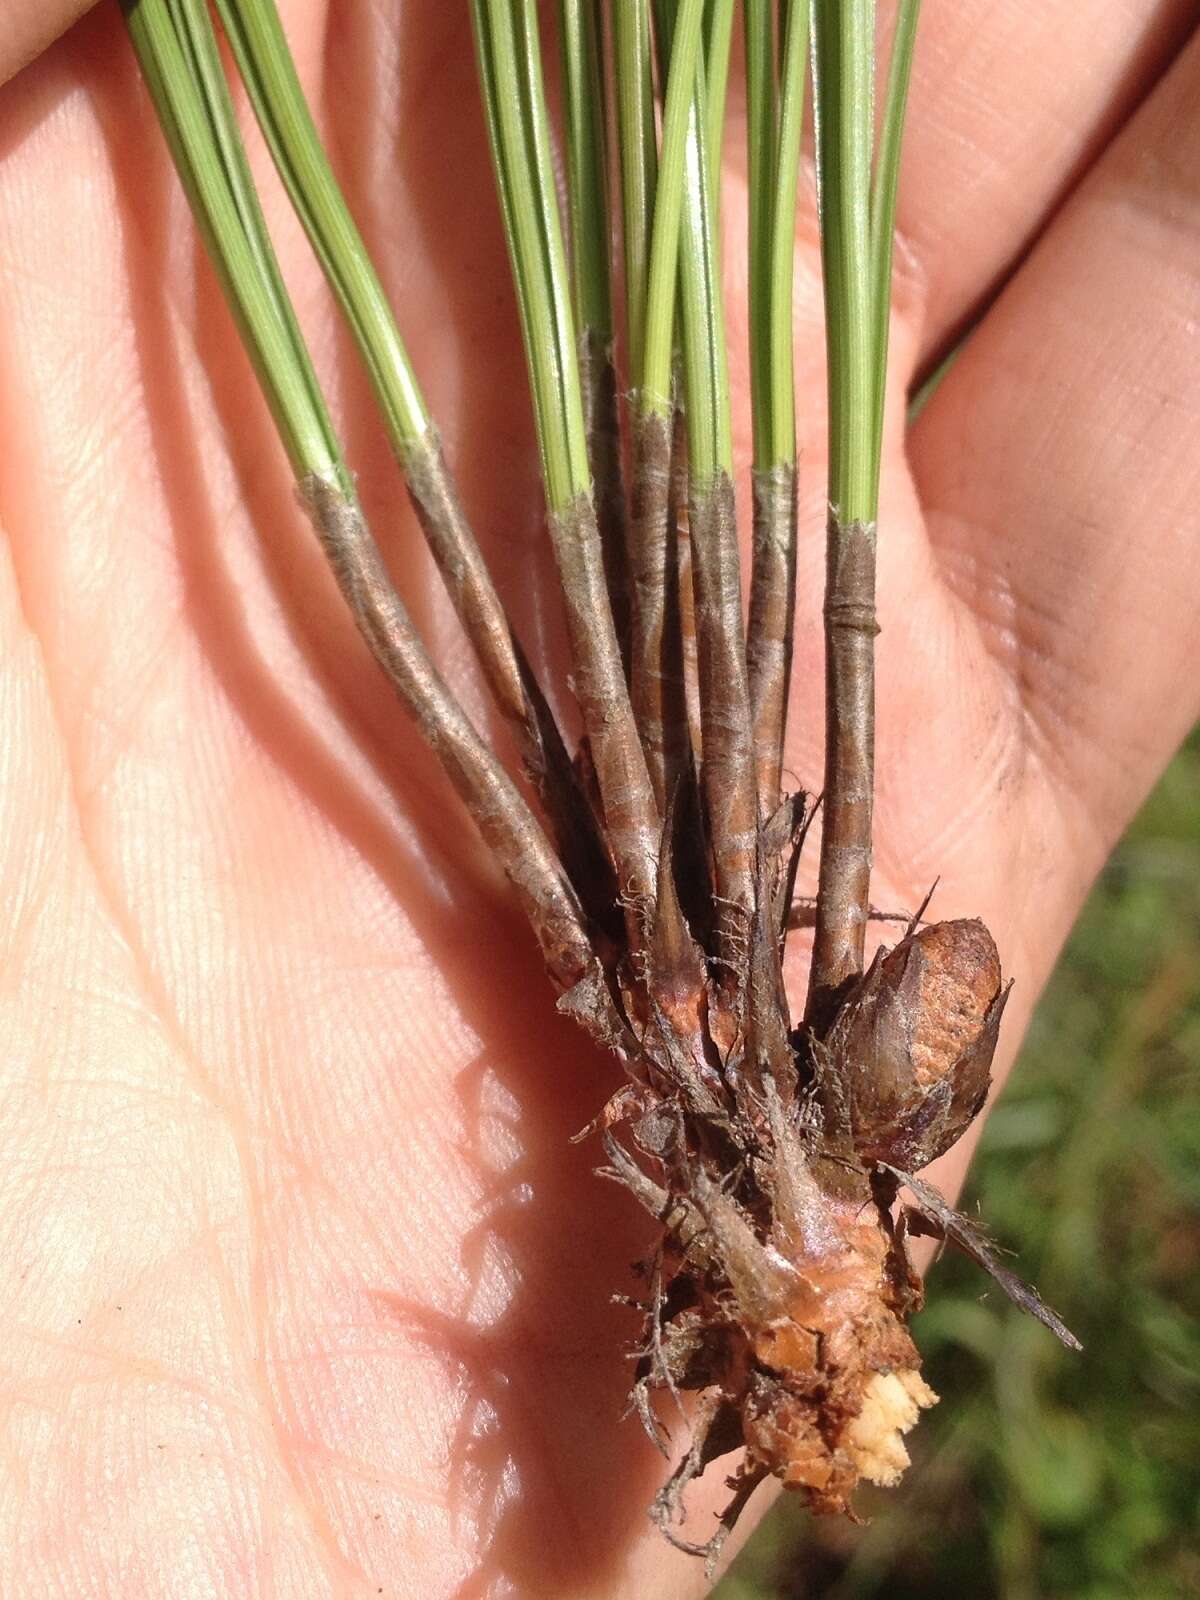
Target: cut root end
[892,1403]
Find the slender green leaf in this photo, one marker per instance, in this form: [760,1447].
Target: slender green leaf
[718,45]
[510,70]
[685,62]
[761,142]
[587,181]
[782,405]
[705,375]
[265,63]
[883,204]
[639,163]
[177,50]
[844,68]
[541,154]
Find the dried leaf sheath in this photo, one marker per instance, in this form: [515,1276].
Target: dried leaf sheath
[503,818]
[598,379]
[845,873]
[513,685]
[727,764]
[775,59]
[506,38]
[581,41]
[656,664]
[728,767]
[469,584]
[260,48]
[769,632]
[598,683]
[682,534]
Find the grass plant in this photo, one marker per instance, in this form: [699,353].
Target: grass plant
[656,871]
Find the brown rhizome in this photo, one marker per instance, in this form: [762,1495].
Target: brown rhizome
[776,1153]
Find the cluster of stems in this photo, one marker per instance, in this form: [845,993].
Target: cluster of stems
[655,862]
[683,703]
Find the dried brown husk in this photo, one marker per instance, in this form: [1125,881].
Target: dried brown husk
[906,1066]
[781,1289]
[769,632]
[772,1157]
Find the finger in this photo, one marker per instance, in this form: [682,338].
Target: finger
[1058,468]
[30,25]
[1009,105]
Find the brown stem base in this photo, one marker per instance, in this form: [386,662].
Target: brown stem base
[844,883]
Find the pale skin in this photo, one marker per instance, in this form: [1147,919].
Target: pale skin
[304,1291]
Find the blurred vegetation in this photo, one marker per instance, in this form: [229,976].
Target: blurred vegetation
[1045,1474]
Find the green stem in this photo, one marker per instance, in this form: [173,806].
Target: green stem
[771,628]
[702,315]
[856,245]
[844,65]
[177,50]
[582,48]
[761,166]
[719,42]
[727,767]
[541,154]
[510,66]
[782,404]
[518,128]
[260,48]
[174,42]
[883,206]
[685,58]
[639,164]
[587,183]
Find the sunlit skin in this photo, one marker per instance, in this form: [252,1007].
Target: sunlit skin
[305,1292]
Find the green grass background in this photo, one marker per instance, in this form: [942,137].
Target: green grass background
[1041,1473]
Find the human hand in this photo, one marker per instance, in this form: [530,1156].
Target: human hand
[305,1291]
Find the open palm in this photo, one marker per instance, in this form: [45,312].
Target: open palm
[305,1292]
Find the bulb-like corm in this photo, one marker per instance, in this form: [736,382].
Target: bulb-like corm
[906,1066]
